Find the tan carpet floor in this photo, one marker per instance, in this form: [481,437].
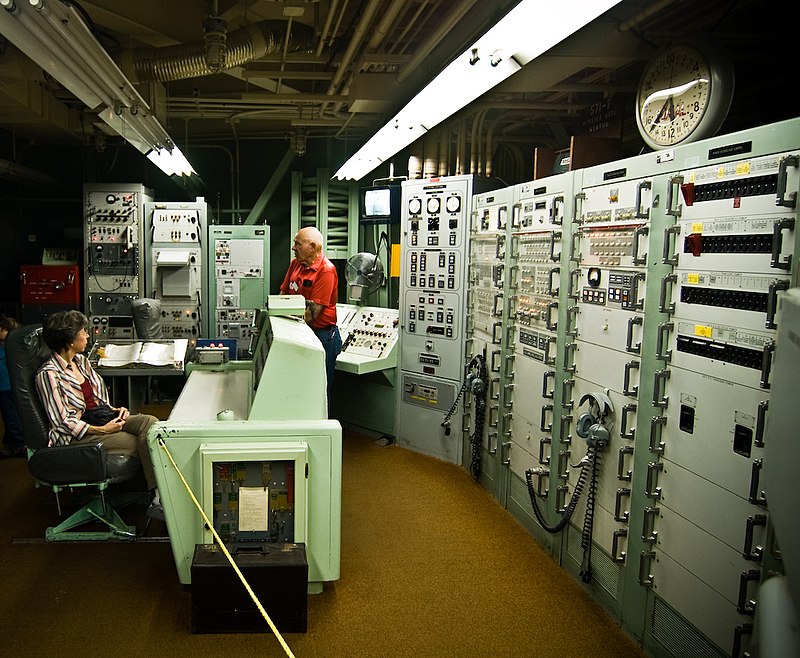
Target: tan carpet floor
[432,566]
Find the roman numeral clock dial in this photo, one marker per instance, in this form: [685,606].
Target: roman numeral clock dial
[684,95]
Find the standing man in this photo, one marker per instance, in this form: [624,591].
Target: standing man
[312,275]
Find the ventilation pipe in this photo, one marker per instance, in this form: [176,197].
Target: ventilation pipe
[189,60]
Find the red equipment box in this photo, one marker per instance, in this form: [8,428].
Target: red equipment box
[50,284]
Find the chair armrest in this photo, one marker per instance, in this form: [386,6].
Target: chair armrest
[70,464]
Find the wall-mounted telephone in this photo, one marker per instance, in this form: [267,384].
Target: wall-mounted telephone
[595,426]
[474,383]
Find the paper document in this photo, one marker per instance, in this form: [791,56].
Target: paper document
[254,509]
[170,354]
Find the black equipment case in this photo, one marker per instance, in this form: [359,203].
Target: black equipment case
[277,574]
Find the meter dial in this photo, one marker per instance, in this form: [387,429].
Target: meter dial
[414,206]
[434,205]
[453,203]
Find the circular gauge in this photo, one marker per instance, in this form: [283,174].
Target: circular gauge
[684,95]
[434,205]
[414,206]
[453,204]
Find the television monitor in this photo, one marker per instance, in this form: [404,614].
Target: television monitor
[379,204]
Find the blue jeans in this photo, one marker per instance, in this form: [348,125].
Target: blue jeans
[331,341]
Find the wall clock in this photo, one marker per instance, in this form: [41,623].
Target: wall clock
[684,94]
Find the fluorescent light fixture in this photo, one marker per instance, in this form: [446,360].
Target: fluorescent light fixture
[172,163]
[528,30]
[54,36]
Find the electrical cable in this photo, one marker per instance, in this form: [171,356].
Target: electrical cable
[162,444]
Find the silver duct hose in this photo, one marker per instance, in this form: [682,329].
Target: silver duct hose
[243,45]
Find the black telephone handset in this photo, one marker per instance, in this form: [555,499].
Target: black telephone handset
[473,382]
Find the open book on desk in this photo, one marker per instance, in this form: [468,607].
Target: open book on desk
[143,354]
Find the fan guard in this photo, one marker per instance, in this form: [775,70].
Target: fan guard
[364,274]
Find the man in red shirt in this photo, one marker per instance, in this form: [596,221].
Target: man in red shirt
[312,275]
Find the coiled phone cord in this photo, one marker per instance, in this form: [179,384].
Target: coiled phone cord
[210,526]
[586,463]
[480,415]
[480,411]
[588,517]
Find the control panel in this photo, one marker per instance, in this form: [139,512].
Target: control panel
[238,283]
[176,238]
[268,487]
[114,257]
[434,275]
[539,242]
[368,331]
[435,228]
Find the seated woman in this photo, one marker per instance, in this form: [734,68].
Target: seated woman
[76,400]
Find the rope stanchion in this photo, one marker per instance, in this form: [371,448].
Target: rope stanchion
[230,559]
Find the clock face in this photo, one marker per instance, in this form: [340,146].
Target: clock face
[684,95]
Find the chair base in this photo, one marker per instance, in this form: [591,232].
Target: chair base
[92,512]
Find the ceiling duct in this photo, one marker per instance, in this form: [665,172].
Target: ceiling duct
[241,46]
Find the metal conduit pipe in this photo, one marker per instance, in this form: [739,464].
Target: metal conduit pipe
[425,49]
[475,159]
[326,29]
[651,9]
[188,60]
[444,150]
[354,45]
[461,146]
[385,24]
[430,159]
[379,33]
[490,146]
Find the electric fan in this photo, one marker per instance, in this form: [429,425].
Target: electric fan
[364,274]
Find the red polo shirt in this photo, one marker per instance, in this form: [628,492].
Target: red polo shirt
[318,282]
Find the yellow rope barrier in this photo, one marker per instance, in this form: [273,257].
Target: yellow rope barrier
[225,551]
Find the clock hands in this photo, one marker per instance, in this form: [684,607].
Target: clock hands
[662,114]
[668,109]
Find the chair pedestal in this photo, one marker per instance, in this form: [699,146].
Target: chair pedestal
[94,510]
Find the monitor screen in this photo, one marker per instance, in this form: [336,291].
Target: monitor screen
[379,204]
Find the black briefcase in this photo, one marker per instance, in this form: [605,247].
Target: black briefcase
[277,574]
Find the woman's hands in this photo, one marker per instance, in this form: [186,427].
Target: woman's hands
[114,425]
[111,426]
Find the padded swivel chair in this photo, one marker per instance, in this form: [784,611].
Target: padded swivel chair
[70,467]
